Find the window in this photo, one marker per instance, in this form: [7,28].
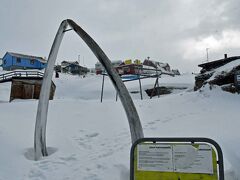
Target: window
[5,62]
[31,61]
[126,69]
[18,60]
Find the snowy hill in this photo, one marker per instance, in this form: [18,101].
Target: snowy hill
[89,140]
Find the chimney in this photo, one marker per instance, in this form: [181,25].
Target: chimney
[225,56]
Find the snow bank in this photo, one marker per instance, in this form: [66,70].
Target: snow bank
[91,140]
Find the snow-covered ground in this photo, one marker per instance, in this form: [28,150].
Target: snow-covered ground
[89,140]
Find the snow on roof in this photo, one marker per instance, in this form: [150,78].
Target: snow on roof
[218,63]
[224,69]
[70,62]
[156,63]
[229,66]
[41,59]
[117,61]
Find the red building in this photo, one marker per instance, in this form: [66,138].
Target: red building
[122,68]
[129,69]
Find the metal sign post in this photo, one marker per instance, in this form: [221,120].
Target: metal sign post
[176,159]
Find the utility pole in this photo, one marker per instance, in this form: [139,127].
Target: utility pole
[79,59]
[207,53]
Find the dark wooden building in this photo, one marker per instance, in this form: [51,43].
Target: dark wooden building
[217,63]
[224,79]
[28,88]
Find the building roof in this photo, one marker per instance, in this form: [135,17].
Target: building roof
[218,63]
[148,62]
[41,59]
[155,64]
[70,62]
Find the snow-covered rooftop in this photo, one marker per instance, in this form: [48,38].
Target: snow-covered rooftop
[41,59]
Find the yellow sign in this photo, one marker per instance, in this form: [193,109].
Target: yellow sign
[128,61]
[137,61]
[169,161]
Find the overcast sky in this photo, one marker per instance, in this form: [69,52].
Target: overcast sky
[173,31]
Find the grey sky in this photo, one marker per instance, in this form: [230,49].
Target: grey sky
[173,31]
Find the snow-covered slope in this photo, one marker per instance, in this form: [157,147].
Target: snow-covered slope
[89,140]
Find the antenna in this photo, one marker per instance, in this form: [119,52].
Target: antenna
[79,59]
[207,53]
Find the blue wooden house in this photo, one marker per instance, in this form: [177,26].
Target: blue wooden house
[12,61]
[0,62]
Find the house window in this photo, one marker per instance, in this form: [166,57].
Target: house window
[126,69]
[18,60]
[5,62]
[32,61]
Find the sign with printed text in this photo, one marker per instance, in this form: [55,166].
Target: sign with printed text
[155,157]
[175,158]
[238,77]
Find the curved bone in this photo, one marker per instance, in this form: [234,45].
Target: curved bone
[41,118]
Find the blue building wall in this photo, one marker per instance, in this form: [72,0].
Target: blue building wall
[7,61]
[11,62]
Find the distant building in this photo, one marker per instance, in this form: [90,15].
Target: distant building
[127,67]
[152,67]
[156,65]
[226,77]
[176,72]
[73,67]
[66,63]
[12,61]
[99,69]
[92,70]
[217,63]
[0,62]
[58,68]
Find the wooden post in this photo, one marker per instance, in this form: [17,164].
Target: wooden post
[102,87]
[154,88]
[140,86]
[116,96]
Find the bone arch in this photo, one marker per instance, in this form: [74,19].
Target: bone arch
[40,148]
